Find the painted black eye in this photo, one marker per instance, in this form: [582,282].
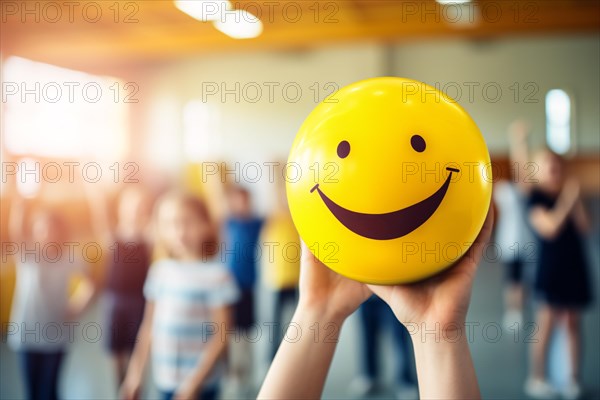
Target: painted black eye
[343,149]
[418,143]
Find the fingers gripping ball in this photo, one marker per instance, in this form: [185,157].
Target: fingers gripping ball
[392,181]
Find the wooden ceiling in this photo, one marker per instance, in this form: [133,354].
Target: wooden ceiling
[132,35]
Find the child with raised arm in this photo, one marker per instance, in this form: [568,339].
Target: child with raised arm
[43,314]
[444,368]
[188,299]
[512,233]
[559,220]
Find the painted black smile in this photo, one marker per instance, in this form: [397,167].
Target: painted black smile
[390,225]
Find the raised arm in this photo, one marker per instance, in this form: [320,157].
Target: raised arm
[83,296]
[548,222]
[16,220]
[445,368]
[98,207]
[581,217]
[215,348]
[302,362]
[518,133]
[130,389]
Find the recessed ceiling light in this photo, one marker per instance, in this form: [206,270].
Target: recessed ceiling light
[453,1]
[204,10]
[239,24]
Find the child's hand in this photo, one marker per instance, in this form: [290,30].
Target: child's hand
[519,130]
[570,192]
[326,292]
[130,389]
[187,391]
[443,299]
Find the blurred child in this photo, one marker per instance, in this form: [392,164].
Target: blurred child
[242,230]
[559,220]
[510,233]
[513,234]
[280,263]
[188,298]
[375,317]
[129,259]
[42,312]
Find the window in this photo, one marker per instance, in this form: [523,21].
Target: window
[55,112]
[558,121]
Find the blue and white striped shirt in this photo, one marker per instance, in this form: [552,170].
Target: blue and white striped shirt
[185,294]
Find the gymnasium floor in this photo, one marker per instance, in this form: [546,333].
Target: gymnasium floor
[500,361]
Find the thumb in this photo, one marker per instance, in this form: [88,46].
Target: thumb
[307,257]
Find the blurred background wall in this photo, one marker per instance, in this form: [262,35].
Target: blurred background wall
[255,116]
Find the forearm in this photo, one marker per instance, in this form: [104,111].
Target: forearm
[98,208]
[519,158]
[581,218]
[445,369]
[300,367]
[548,222]
[518,148]
[139,358]
[16,220]
[215,348]
[563,209]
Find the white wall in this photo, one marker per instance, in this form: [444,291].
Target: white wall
[571,63]
[253,130]
[248,131]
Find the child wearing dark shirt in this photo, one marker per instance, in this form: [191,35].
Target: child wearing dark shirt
[242,231]
[558,219]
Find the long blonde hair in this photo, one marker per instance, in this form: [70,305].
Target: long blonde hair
[209,245]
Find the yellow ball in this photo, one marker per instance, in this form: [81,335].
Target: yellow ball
[388,181]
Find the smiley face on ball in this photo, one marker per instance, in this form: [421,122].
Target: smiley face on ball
[403,187]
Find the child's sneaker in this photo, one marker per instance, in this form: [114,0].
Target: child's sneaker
[513,319]
[361,386]
[540,389]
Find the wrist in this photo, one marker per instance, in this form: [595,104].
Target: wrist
[318,312]
[439,337]
[197,380]
[132,380]
[318,323]
[135,372]
[445,367]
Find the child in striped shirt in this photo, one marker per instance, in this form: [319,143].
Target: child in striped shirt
[188,299]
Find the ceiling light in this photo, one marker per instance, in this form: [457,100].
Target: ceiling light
[204,10]
[239,24]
